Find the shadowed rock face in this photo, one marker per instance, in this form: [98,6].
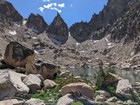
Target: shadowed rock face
[37,23]
[111,12]
[80,31]
[127,28]
[58,30]
[46,70]
[17,55]
[8,12]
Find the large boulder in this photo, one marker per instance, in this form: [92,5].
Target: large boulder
[37,23]
[33,82]
[17,55]
[6,87]
[77,88]
[68,99]
[58,31]
[124,88]
[34,101]
[16,80]
[11,85]
[48,71]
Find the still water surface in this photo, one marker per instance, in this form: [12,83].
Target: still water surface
[88,73]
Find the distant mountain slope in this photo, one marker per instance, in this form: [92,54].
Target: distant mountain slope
[111,12]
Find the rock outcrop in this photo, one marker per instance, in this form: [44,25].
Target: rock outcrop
[58,30]
[36,23]
[80,31]
[8,12]
[127,27]
[111,12]
[17,55]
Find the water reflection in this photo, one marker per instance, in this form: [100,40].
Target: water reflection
[89,74]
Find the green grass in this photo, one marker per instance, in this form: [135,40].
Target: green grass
[77,103]
[51,96]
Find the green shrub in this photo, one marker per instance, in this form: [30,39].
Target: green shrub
[101,76]
[77,103]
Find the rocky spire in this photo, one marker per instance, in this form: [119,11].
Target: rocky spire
[37,23]
[58,30]
[8,12]
[2,1]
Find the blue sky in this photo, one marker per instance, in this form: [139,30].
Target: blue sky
[71,10]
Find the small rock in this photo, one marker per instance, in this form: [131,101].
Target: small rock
[49,84]
[104,93]
[112,99]
[65,74]
[124,88]
[100,98]
[33,82]
[77,77]
[65,100]
[34,101]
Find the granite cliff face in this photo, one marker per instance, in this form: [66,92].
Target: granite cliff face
[58,30]
[127,28]
[37,23]
[80,31]
[8,12]
[111,12]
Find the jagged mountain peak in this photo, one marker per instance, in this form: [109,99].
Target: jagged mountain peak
[58,30]
[37,23]
[8,12]
[111,12]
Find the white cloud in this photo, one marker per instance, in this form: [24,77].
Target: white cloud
[46,0]
[71,5]
[58,10]
[61,5]
[41,9]
[52,6]
[48,6]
